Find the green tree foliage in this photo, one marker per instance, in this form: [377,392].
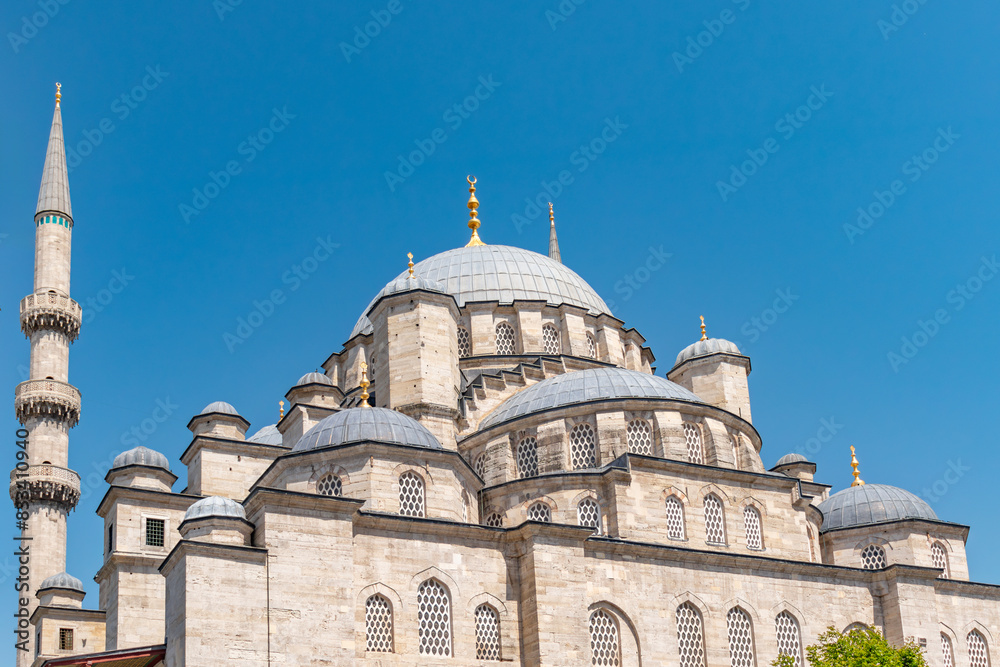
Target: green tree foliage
[857,648]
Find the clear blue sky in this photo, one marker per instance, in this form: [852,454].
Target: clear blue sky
[198,86]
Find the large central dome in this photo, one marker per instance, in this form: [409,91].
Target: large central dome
[500,273]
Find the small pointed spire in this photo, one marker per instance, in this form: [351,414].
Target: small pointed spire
[857,475]
[704,336]
[53,196]
[364,385]
[473,220]
[281,410]
[553,240]
[410,264]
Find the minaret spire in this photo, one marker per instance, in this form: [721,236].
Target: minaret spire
[553,240]
[53,196]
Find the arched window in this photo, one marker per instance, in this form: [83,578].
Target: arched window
[481,465]
[591,346]
[411,495]
[741,649]
[855,627]
[550,339]
[692,436]
[540,512]
[947,652]
[329,485]
[940,559]
[979,655]
[464,342]
[751,521]
[690,636]
[604,644]
[675,518]
[487,633]
[789,637]
[583,446]
[505,339]
[588,513]
[378,625]
[527,457]
[715,520]
[434,619]
[494,520]
[873,557]
[640,437]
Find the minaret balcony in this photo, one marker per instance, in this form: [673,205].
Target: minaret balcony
[45,483]
[51,311]
[47,398]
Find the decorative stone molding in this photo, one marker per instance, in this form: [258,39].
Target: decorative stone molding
[50,311]
[47,398]
[46,483]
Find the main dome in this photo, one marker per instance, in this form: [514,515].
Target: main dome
[499,273]
[871,504]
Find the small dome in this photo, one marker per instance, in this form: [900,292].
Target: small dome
[593,384]
[704,347]
[141,456]
[314,378]
[871,504]
[791,458]
[62,580]
[219,406]
[269,435]
[367,424]
[215,506]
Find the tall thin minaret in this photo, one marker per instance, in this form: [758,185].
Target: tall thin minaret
[553,239]
[46,404]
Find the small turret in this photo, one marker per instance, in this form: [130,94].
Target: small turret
[715,370]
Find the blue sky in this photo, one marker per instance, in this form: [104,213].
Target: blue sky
[218,147]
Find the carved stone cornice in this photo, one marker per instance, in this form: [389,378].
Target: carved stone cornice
[51,311]
[45,483]
[47,398]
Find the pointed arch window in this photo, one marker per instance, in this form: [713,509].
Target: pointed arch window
[505,339]
[604,644]
[940,559]
[411,495]
[464,342]
[378,624]
[741,645]
[550,339]
[527,457]
[789,637]
[715,520]
[695,447]
[751,522]
[947,652]
[873,557]
[588,513]
[583,446]
[591,346]
[690,636]
[330,485]
[434,619]
[639,435]
[979,655]
[675,518]
[540,512]
[487,633]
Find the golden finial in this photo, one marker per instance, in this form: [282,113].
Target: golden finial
[410,264]
[364,385]
[552,216]
[281,410]
[58,93]
[704,336]
[473,220]
[857,475]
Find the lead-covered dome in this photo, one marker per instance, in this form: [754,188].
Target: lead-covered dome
[141,456]
[269,435]
[219,406]
[313,378]
[593,384]
[499,273]
[705,347]
[871,504]
[367,425]
[215,506]
[62,580]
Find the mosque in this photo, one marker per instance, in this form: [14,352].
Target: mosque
[488,471]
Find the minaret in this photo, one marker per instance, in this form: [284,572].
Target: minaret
[553,240]
[46,404]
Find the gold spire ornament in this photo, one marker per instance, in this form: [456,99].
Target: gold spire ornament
[281,410]
[704,336]
[410,264]
[364,385]
[58,93]
[473,220]
[552,216]
[857,475]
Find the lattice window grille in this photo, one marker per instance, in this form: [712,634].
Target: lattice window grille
[741,653]
[464,342]
[675,518]
[690,636]
[751,521]
[583,447]
[588,513]
[940,559]
[505,338]
[378,625]
[65,639]
[789,637]
[411,495]
[494,520]
[487,633]
[978,653]
[692,436]
[715,527]
[540,512]
[604,645]
[434,619]
[330,485]
[873,557]
[527,457]
[481,465]
[639,435]
[947,653]
[154,532]
[550,339]
[591,346]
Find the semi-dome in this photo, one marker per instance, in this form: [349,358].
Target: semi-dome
[269,435]
[141,456]
[62,580]
[593,384]
[215,506]
[499,273]
[871,504]
[313,378]
[787,459]
[703,347]
[220,407]
[367,424]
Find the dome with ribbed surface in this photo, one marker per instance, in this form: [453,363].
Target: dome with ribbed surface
[500,273]
[62,580]
[219,406]
[872,504]
[313,378]
[791,458]
[593,384]
[269,435]
[703,347]
[215,506]
[141,456]
[367,425]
